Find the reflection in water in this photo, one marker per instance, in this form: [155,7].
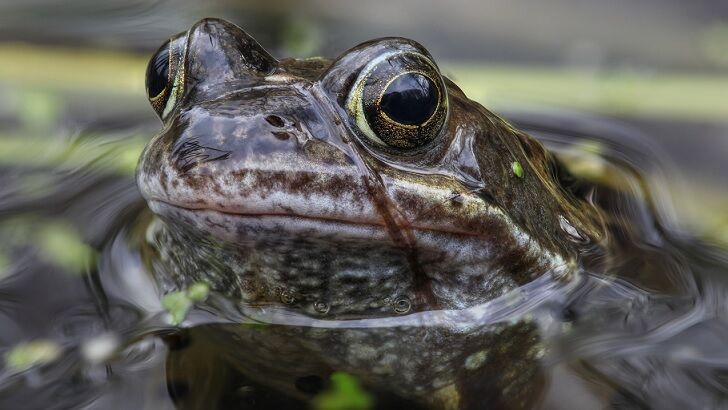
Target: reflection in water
[648,331]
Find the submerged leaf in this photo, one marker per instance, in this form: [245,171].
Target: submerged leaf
[344,393]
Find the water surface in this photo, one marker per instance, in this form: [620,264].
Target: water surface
[76,294]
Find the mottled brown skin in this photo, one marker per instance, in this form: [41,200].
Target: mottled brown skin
[269,190]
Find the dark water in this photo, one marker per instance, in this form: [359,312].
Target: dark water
[82,322]
[649,332]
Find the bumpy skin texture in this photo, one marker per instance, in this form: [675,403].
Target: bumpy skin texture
[269,191]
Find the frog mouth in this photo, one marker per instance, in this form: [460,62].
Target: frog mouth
[220,221]
[239,227]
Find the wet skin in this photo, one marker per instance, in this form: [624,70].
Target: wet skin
[367,186]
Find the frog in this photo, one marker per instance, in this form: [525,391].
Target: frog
[370,198]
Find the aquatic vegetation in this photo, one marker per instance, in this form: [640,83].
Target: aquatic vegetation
[179,303]
[26,355]
[344,393]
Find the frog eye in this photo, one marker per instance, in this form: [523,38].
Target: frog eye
[399,100]
[163,76]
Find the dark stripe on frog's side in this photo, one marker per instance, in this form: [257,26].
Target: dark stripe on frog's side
[401,234]
[516,260]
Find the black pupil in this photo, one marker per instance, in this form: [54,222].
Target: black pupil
[157,72]
[410,99]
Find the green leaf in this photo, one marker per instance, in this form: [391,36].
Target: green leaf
[62,245]
[26,355]
[177,304]
[198,292]
[344,393]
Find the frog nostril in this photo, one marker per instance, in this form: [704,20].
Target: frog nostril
[275,121]
[281,135]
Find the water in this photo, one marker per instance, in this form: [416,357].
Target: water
[647,333]
[77,296]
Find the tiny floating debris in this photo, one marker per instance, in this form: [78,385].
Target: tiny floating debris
[34,353]
[178,304]
[517,169]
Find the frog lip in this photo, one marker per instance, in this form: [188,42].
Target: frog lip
[243,227]
[163,207]
[155,204]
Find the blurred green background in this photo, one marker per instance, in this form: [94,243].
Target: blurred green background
[73,72]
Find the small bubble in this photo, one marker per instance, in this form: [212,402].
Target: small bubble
[402,305]
[321,307]
[287,297]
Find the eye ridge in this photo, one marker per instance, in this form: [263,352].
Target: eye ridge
[397,123]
